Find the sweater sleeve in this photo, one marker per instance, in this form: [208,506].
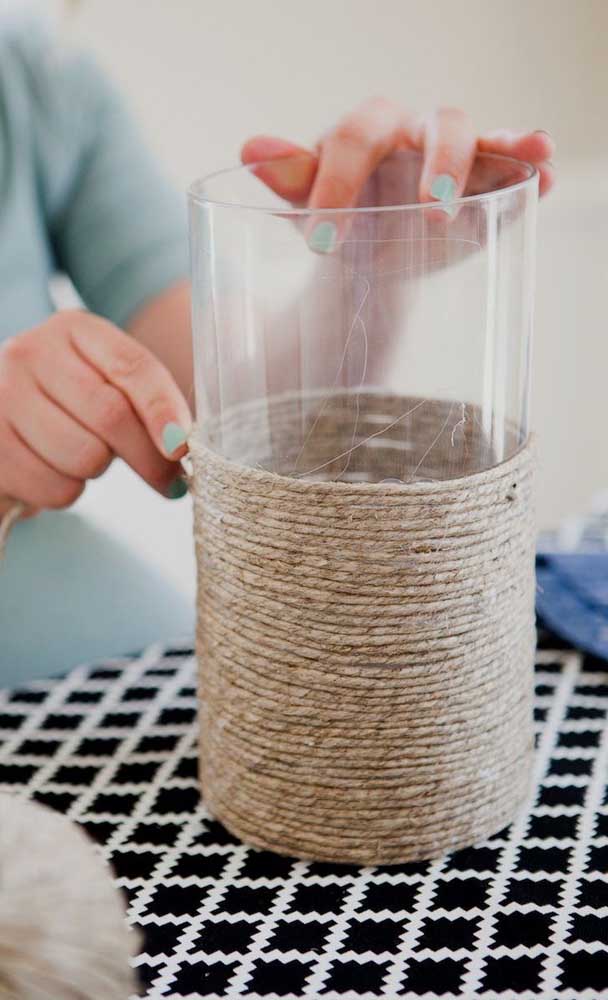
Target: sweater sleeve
[116,226]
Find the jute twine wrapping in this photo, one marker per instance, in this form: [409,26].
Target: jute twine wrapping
[365,649]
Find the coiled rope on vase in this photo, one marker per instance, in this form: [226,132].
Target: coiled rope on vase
[365,648]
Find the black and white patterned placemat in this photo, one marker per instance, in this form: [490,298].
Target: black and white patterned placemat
[524,915]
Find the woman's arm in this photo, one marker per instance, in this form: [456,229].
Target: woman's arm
[116,225]
[163,326]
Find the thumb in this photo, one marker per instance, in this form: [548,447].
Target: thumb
[293,171]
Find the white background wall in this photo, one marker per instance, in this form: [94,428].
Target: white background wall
[204,74]
[201,76]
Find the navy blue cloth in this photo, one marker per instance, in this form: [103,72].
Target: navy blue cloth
[572,598]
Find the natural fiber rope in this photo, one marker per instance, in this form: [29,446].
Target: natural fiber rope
[365,649]
[9,518]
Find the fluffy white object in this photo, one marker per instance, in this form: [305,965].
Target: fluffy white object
[63,933]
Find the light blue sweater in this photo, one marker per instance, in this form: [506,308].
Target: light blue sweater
[79,191]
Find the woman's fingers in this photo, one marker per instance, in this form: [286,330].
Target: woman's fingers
[56,438]
[449,150]
[547,178]
[104,410]
[76,391]
[534,147]
[291,175]
[31,480]
[334,176]
[348,156]
[141,378]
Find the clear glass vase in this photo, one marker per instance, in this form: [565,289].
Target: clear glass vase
[363,511]
[402,354]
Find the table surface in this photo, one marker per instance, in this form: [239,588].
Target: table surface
[523,915]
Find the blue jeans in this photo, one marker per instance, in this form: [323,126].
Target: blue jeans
[71,594]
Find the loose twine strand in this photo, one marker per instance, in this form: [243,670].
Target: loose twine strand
[365,649]
[11,516]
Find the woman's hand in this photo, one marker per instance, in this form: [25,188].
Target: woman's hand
[74,393]
[334,174]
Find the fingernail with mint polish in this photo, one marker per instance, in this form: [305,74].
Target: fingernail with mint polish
[174,437]
[443,188]
[323,237]
[178,488]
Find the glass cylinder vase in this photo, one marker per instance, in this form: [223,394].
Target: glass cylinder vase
[363,508]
